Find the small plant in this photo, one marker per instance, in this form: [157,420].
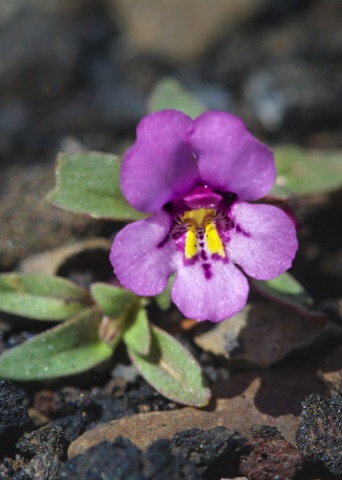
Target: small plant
[198,178]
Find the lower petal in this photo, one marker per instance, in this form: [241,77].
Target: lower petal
[141,258]
[215,298]
[264,241]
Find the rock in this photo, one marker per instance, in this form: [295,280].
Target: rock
[178,30]
[211,450]
[14,419]
[37,54]
[121,459]
[9,8]
[47,439]
[319,434]
[279,95]
[75,410]
[23,205]
[44,466]
[264,431]
[279,332]
[14,119]
[331,371]
[270,458]
[245,399]
[43,402]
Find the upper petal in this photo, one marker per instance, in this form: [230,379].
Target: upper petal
[141,258]
[214,299]
[230,159]
[160,165]
[264,241]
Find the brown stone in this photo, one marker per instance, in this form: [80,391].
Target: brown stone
[269,459]
[245,399]
[279,331]
[177,29]
[331,371]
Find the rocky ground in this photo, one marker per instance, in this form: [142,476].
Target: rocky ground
[79,78]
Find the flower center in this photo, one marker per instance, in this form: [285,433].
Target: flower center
[201,227]
[201,232]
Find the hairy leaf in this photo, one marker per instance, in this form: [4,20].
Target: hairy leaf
[302,171]
[89,183]
[41,297]
[287,291]
[137,336]
[171,370]
[71,347]
[168,93]
[113,301]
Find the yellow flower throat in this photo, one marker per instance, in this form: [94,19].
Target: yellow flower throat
[201,230]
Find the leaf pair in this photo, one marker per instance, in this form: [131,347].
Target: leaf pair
[95,322]
[74,345]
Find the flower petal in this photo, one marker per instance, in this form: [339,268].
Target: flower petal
[264,241]
[230,159]
[160,165]
[140,260]
[214,299]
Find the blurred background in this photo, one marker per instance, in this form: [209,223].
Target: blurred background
[78,75]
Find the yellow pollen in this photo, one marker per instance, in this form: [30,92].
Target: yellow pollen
[201,218]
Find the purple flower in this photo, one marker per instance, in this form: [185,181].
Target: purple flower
[195,177]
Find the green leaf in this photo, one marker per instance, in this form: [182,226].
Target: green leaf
[113,301]
[89,183]
[41,297]
[287,291]
[137,336]
[67,349]
[164,298]
[171,370]
[302,171]
[168,93]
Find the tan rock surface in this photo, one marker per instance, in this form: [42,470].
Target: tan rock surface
[178,29]
[279,331]
[247,398]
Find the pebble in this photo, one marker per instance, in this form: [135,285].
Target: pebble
[215,450]
[44,466]
[14,418]
[47,439]
[122,459]
[331,371]
[269,459]
[264,431]
[319,434]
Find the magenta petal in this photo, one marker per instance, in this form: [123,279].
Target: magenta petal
[214,299]
[140,262]
[264,241]
[160,165]
[230,159]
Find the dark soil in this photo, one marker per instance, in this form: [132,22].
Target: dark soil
[67,81]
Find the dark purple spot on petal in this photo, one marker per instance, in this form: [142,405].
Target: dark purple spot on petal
[163,242]
[207,270]
[240,230]
[204,255]
[191,261]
